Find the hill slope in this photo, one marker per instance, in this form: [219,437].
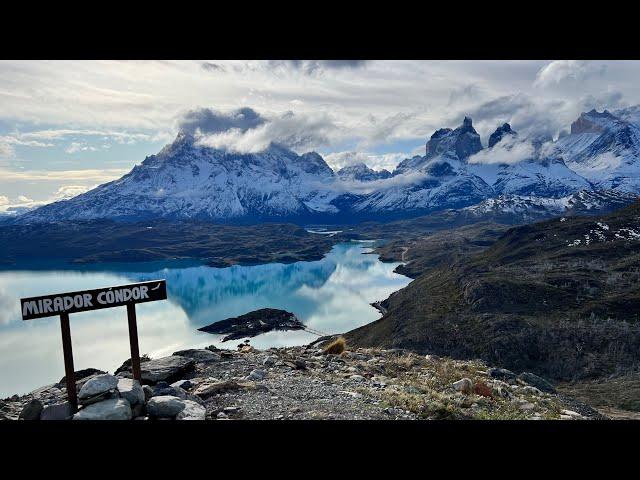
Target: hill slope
[560,298]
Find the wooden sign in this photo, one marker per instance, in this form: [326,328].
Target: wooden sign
[64,304]
[82,301]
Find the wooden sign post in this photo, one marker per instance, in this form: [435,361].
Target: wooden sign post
[64,304]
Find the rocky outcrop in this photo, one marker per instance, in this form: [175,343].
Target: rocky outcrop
[166,369]
[254,323]
[500,133]
[462,142]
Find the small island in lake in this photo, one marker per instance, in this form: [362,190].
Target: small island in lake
[255,323]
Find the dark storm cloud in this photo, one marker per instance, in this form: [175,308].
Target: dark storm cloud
[213,67]
[209,121]
[310,67]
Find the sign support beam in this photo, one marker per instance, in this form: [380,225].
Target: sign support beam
[133,341]
[67,352]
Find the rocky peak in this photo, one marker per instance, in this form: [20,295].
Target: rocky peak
[362,172]
[499,134]
[462,142]
[593,122]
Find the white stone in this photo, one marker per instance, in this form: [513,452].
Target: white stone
[131,390]
[191,411]
[98,385]
[165,406]
[112,409]
[463,386]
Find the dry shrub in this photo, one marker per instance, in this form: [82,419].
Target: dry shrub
[336,347]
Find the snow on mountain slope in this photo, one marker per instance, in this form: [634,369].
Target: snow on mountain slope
[605,149]
[190,180]
[362,173]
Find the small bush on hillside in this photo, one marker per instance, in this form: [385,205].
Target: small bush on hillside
[336,347]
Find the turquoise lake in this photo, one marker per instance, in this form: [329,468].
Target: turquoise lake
[332,295]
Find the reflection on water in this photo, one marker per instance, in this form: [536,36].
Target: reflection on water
[331,295]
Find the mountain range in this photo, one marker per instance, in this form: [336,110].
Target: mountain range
[594,166]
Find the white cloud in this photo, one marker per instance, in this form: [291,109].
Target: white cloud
[22,202]
[6,150]
[298,132]
[388,161]
[507,151]
[75,147]
[559,71]
[92,175]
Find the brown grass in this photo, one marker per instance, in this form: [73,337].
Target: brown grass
[336,347]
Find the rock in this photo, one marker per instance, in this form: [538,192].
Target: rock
[463,386]
[358,378]
[502,374]
[256,375]
[32,410]
[170,391]
[571,413]
[192,411]
[531,390]
[57,411]
[536,381]
[527,406]
[231,410]
[166,368]
[97,386]
[80,375]
[139,410]
[222,415]
[184,384]
[269,361]
[99,398]
[165,406]
[112,409]
[199,355]
[148,392]
[207,390]
[297,364]
[131,390]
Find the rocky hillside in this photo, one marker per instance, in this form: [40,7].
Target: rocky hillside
[559,298]
[301,383]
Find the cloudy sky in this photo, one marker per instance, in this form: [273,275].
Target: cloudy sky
[66,126]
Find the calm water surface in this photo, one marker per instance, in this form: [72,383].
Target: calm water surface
[332,295]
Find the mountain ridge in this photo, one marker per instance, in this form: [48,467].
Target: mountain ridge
[190,180]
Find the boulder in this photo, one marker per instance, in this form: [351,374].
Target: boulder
[165,406]
[97,386]
[463,386]
[502,374]
[256,375]
[199,355]
[536,381]
[131,390]
[184,384]
[191,411]
[57,411]
[111,409]
[32,410]
[80,375]
[148,392]
[165,369]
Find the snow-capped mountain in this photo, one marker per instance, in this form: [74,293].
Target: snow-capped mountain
[187,179]
[362,173]
[604,148]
